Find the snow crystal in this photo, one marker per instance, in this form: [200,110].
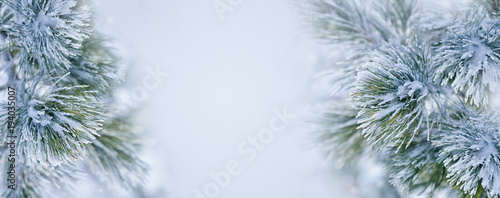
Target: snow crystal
[45,22]
[409,88]
[480,55]
[485,149]
[38,116]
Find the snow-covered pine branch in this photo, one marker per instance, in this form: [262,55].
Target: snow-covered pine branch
[421,83]
[340,137]
[469,57]
[392,92]
[469,148]
[47,33]
[64,75]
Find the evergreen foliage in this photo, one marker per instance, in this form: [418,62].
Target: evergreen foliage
[64,76]
[419,92]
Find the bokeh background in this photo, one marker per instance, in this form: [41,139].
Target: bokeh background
[227,74]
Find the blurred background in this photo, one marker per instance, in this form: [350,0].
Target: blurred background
[218,73]
[228,66]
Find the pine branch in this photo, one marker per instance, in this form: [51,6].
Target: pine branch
[416,168]
[55,123]
[348,22]
[47,33]
[469,148]
[37,181]
[113,155]
[391,94]
[402,16]
[421,95]
[339,136]
[96,67]
[469,58]
[65,76]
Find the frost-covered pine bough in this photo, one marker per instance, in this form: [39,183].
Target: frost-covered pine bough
[420,86]
[65,124]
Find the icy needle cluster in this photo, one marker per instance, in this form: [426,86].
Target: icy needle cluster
[48,33]
[469,148]
[416,167]
[56,123]
[390,93]
[469,57]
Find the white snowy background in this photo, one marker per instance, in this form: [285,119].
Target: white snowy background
[225,78]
